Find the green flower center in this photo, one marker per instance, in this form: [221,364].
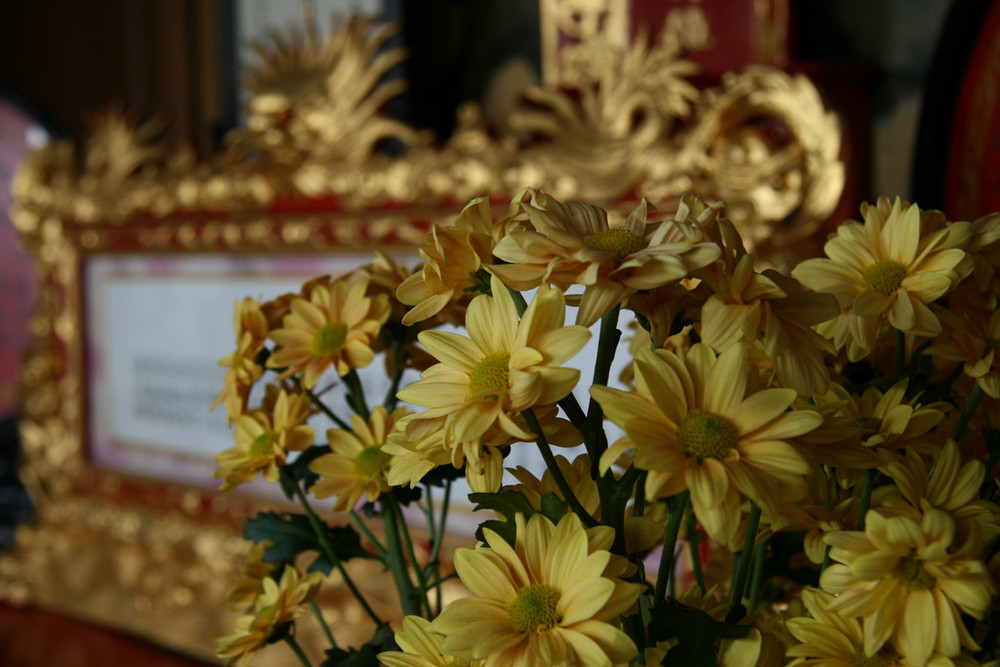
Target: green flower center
[886,657]
[869,425]
[457,663]
[621,241]
[911,571]
[263,445]
[706,435]
[330,338]
[370,461]
[884,276]
[534,608]
[490,375]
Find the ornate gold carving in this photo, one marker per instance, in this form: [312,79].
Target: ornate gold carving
[626,122]
[686,29]
[629,124]
[578,33]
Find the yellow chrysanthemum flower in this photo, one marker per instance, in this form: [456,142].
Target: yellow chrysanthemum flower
[548,601]
[505,366]
[384,276]
[420,445]
[454,256]
[357,465]
[827,639]
[984,248]
[776,310]
[867,431]
[242,369]
[336,326]
[421,647]
[696,421]
[264,438]
[243,596]
[887,269]
[906,582]
[948,485]
[573,244]
[827,507]
[279,603]
[971,337]
[641,532]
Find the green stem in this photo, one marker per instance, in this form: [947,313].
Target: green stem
[445,503]
[438,541]
[297,650]
[431,570]
[573,410]
[758,570]
[606,347]
[324,541]
[417,570]
[900,353]
[614,497]
[594,437]
[408,595]
[440,580]
[743,567]
[639,509]
[322,406]
[670,545]
[519,301]
[692,530]
[322,624]
[553,467]
[970,409]
[363,529]
[639,505]
[356,394]
[867,483]
[429,511]
[397,376]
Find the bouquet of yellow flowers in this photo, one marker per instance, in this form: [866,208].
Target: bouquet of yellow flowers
[795,468]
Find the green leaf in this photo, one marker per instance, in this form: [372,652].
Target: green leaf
[695,631]
[298,470]
[367,655]
[346,544]
[292,534]
[507,503]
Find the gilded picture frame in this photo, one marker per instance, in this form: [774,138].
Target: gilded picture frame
[306,177]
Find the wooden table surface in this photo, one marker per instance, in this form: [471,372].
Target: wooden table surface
[32,637]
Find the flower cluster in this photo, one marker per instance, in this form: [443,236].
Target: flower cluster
[805,468]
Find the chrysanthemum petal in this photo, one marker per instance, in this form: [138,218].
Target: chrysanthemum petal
[918,627]
[762,407]
[616,646]
[709,482]
[584,598]
[451,348]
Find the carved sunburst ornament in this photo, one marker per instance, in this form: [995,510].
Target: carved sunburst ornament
[326,96]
